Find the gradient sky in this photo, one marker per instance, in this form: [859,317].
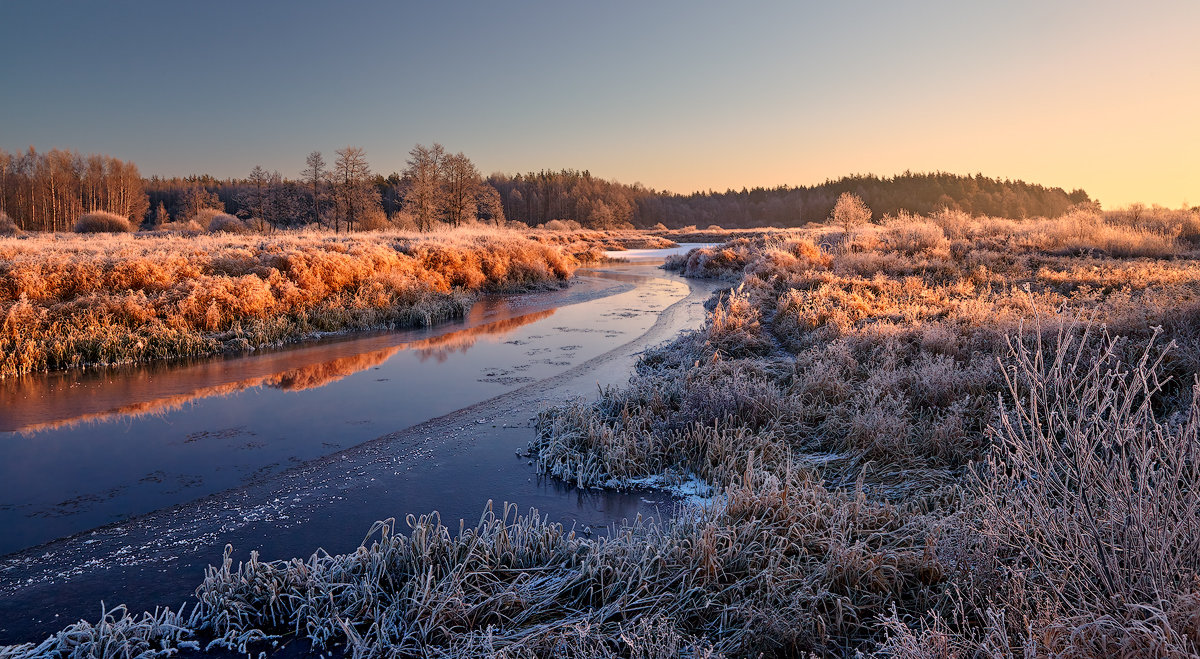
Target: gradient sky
[676,95]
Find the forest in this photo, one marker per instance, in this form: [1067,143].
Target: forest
[51,190]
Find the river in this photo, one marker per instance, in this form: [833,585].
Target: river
[122,484]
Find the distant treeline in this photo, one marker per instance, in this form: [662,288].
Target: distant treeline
[48,191]
[913,192]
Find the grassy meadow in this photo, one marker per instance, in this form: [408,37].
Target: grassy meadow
[938,436]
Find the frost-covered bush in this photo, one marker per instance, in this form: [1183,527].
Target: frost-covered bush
[8,227]
[103,222]
[225,223]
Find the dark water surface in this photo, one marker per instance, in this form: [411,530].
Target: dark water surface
[251,449]
[80,450]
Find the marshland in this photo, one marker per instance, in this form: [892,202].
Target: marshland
[393,329]
[922,435]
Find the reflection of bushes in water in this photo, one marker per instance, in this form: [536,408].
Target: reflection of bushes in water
[69,301]
[297,379]
[319,375]
[306,377]
[442,346]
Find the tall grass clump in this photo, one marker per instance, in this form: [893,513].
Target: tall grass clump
[1083,536]
[1096,501]
[103,222]
[67,302]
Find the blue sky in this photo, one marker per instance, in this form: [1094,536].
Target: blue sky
[675,95]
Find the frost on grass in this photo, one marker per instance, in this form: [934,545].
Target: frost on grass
[982,443]
[875,362]
[69,301]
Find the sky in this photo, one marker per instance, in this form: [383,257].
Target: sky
[678,96]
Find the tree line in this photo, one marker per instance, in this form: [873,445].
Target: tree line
[921,193]
[435,187]
[48,191]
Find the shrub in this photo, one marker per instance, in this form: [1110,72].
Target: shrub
[562,225]
[225,223]
[850,212]
[403,221]
[373,221]
[205,216]
[103,222]
[189,227]
[913,235]
[8,227]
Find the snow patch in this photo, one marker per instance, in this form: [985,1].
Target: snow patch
[688,487]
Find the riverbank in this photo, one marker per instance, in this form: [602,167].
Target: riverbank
[934,437]
[77,300]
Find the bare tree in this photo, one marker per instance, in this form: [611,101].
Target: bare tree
[423,175]
[160,215]
[254,200]
[488,205]
[6,164]
[462,183]
[197,198]
[314,174]
[354,193]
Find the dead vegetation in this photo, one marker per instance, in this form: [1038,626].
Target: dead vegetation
[1024,390]
[71,301]
[938,437]
[588,246]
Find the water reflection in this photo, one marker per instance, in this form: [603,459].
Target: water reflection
[28,401]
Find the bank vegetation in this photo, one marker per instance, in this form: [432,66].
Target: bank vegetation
[937,436]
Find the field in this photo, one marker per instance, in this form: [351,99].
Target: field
[939,436]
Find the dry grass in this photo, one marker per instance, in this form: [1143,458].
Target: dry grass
[942,437]
[877,365]
[69,301]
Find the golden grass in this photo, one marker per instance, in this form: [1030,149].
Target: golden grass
[69,301]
